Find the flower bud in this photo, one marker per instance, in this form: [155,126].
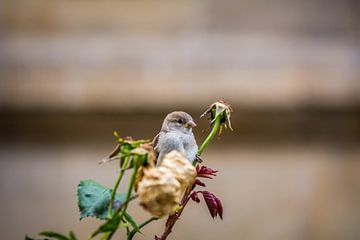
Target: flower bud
[222,110]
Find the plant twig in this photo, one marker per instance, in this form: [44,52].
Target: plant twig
[118,180]
[122,209]
[210,136]
[133,232]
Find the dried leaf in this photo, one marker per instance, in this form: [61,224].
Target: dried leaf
[112,156]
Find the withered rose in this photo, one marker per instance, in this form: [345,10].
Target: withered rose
[159,191]
[184,172]
[161,188]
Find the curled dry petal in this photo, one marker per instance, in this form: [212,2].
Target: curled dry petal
[145,148]
[138,178]
[151,155]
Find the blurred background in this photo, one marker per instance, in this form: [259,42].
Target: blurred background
[72,72]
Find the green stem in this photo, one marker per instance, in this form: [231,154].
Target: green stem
[105,235]
[109,235]
[118,180]
[133,232]
[131,185]
[209,137]
[122,209]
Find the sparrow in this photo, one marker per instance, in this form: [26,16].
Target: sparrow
[176,134]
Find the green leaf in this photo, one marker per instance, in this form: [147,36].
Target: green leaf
[125,225]
[93,199]
[72,236]
[132,221]
[109,226]
[55,235]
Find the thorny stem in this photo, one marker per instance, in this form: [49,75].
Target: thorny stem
[133,232]
[174,217]
[118,180]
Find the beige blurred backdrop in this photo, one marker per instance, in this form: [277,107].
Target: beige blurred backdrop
[71,72]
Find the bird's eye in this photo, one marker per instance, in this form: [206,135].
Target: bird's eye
[179,121]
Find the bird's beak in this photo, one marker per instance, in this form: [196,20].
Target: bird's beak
[190,124]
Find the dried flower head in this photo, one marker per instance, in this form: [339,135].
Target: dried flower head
[184,172]
[161,188]
[159,191]
[222,110]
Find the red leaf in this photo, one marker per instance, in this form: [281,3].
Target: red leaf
[213,203]
[200,183]
[210,202]
[206,172]
[220,209]
[194,196]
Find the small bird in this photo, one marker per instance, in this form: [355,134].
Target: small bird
[176,134]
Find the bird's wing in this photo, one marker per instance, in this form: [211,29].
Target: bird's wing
[155,142]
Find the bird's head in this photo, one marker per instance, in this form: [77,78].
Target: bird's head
[178,120]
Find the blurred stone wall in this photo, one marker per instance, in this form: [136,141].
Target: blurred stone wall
[73,71]
[86,55]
